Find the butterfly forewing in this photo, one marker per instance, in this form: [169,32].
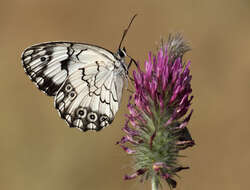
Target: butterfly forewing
[86,81]
[46,65]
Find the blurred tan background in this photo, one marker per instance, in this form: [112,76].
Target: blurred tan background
[37,149]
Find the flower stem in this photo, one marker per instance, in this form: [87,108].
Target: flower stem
[154,183]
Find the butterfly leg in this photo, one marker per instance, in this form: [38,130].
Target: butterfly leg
[131,91]
[132,61]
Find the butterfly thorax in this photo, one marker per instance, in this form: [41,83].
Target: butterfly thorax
[122,69]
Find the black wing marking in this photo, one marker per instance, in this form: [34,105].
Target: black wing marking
[47,65]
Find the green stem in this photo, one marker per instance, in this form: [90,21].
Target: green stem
[155,183]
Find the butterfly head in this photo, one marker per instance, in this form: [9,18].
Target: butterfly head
[121,53]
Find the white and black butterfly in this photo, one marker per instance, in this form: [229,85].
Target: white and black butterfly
[86,80]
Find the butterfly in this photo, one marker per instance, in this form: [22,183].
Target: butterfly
[85,80]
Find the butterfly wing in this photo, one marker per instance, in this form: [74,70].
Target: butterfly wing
[87,81]
[90,97]
[49,64]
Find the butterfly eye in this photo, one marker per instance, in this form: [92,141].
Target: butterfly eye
[124,49]
[121,53]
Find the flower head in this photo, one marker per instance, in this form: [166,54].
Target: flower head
[156,126]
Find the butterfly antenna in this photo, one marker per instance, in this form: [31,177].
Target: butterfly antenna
[126,30]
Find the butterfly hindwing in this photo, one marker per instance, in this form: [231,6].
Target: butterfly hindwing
[86,100]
